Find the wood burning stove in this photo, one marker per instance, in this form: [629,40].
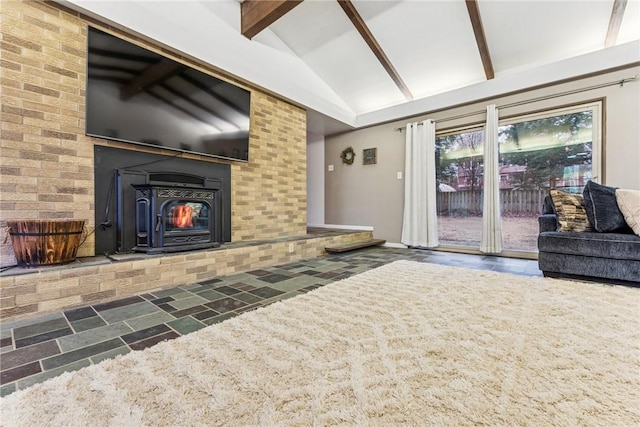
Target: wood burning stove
[175,218]
[153,203]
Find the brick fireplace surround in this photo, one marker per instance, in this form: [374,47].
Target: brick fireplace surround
[47,170]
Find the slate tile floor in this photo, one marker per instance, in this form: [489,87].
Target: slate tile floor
[33,350]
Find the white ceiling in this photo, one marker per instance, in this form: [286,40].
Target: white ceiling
[315,57]
[430,55]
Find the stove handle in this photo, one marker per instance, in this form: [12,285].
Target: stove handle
[158,222]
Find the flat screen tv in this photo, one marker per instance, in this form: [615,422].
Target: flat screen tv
[138,96]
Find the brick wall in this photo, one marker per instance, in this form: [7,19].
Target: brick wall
[46,165]
[270,192]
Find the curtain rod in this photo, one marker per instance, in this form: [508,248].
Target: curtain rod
[540,98]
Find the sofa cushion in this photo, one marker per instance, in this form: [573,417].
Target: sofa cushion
[629,204]
[570,211]
[592,244]
[602,208]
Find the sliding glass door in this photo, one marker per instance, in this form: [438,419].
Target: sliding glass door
[460,177]
[554,149]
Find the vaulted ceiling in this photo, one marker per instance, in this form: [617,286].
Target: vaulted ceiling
[355,63]
[435,46]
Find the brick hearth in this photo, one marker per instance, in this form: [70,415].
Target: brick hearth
[29,292]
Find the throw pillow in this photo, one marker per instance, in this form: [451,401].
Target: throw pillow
[570,211]
[629,204]
[602,208]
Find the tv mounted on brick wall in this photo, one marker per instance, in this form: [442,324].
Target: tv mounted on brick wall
[141,97]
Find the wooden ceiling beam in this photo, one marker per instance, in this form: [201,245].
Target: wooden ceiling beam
[256,15]
[617,13]
[481,40]
[364,31]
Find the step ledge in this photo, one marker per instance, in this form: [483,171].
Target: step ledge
[354,245]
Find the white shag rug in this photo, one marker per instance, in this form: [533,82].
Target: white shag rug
[406,344]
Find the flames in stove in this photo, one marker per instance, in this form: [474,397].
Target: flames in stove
[181,216]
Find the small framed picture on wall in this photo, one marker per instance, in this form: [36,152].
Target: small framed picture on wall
[369,156]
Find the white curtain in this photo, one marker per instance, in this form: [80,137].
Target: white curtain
[419,225]
[491,220]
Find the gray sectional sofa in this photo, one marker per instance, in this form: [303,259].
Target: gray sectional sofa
[605,256]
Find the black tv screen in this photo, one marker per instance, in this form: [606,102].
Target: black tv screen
[138,96]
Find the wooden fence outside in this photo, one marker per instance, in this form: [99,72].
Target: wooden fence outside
[464,203]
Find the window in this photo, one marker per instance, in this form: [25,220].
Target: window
[556,149]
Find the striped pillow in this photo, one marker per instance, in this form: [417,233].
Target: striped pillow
[570,211]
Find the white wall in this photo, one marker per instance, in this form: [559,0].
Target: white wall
[315,179]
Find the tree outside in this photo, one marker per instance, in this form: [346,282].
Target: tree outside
[535,155]
[555,151]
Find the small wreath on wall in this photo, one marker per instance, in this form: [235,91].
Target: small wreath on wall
[348,155]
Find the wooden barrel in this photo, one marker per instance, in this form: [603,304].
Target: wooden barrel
[45,242]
